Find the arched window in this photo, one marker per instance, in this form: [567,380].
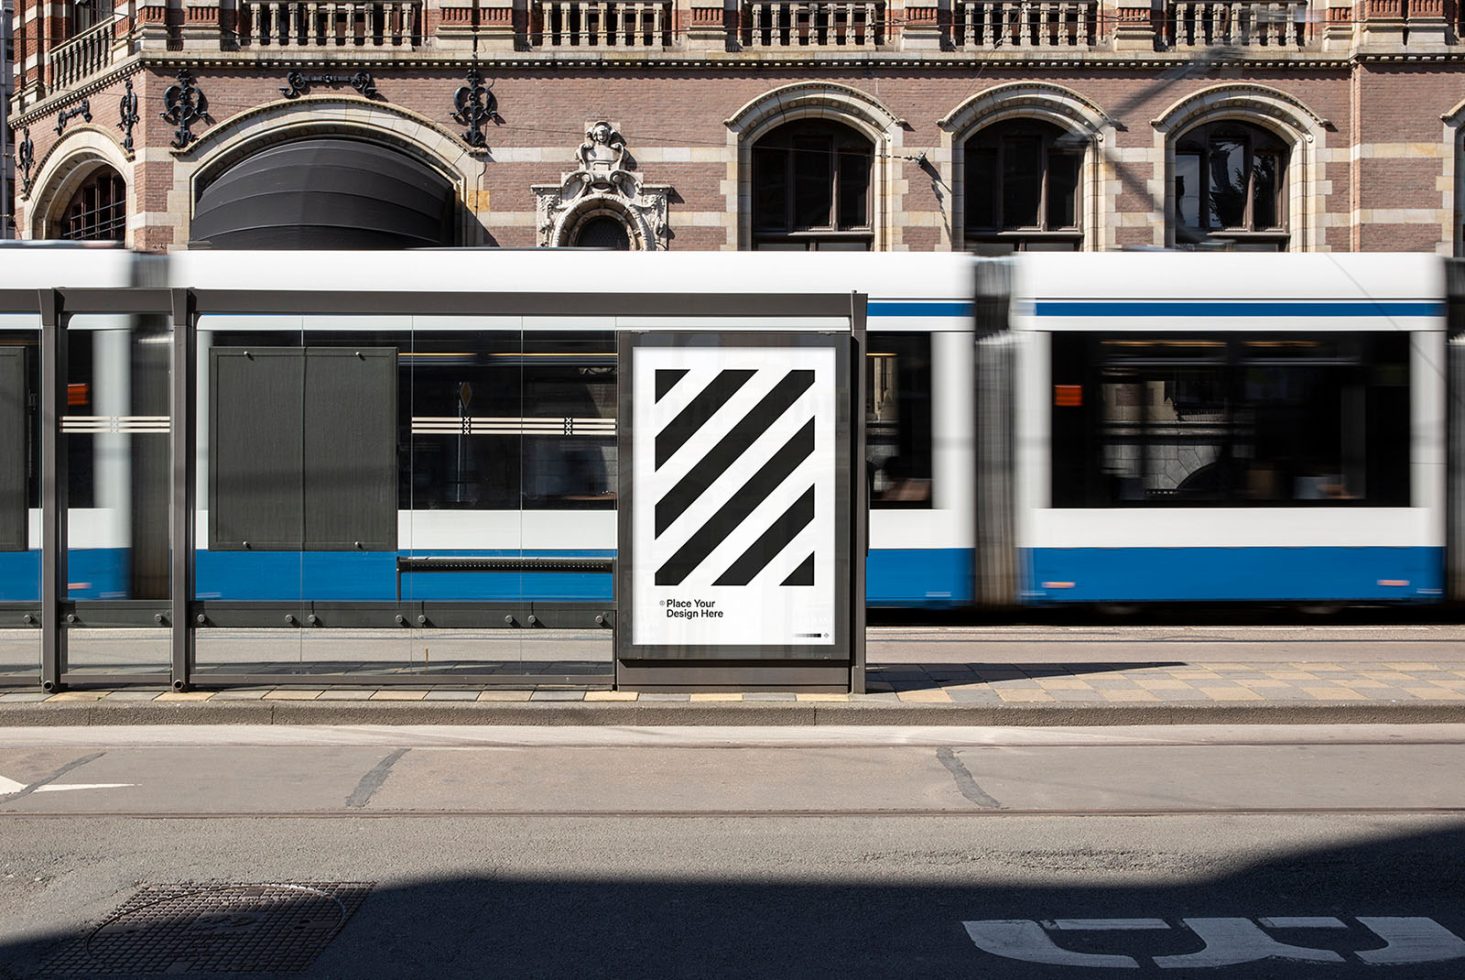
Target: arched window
[1231,188]
[97,211]
[811,188]
[603,231]
[1022,190]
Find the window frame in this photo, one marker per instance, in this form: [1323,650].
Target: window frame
[840,140]
[1198,142]
[1000,135]
[102,219]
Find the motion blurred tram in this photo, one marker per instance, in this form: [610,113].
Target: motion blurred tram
[1051,428]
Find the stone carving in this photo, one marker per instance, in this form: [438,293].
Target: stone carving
[602,183]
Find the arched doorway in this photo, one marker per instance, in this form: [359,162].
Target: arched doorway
[327,193]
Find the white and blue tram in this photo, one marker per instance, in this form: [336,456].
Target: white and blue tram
[1115,428]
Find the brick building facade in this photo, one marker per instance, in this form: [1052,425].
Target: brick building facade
[726,124]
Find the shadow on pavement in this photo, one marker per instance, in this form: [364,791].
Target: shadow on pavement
[487,926]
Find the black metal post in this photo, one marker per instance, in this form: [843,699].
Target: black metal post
[183,386]
[54,592]
[859,473]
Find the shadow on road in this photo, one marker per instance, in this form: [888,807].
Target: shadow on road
[1354,899]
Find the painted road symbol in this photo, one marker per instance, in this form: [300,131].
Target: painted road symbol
[10,787]
[1408,940]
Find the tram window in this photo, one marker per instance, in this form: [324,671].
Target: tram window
[14,415]
[499,422]
[1278,421]
[81,447]
[898,419]
[570,382]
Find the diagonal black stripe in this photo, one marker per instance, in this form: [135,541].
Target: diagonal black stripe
[771,542]
[697,412]
[732,446]
[666,380]
[803,575]
[737,509]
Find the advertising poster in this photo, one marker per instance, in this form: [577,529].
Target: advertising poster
[735,470]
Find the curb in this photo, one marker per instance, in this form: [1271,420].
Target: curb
[732,714]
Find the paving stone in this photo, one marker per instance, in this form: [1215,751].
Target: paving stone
[1025,695]
[924,697]
[26,696]
[451,696]
[1133,695]
[789,696]
[504,695]
[558,696]
[970,696]
[132,695]
[348,694]
[668,696]
[1334,693]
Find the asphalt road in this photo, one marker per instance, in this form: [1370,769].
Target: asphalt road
[1177,852]
[554,650]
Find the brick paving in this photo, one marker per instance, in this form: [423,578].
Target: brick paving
[1025,684]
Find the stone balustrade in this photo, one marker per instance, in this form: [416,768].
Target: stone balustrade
[597,24]
[80,57]
[1025,24]
[293,24]
[1237,23]
[814,24]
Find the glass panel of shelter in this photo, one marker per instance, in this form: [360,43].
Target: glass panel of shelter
[114,431]
[461,428]
[356,383]
[20,517]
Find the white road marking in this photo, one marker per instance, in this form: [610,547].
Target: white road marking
[9,787]
[1229,941]
[1411,940]
[1023,939]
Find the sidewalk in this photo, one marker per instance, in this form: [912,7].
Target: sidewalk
[932,694]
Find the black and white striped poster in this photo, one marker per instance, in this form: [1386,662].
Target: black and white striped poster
[735,469]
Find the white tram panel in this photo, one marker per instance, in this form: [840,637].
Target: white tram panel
[1202,293]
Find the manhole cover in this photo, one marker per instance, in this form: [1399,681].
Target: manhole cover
[215,928]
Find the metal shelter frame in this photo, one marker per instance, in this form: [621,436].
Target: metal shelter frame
[183,614]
